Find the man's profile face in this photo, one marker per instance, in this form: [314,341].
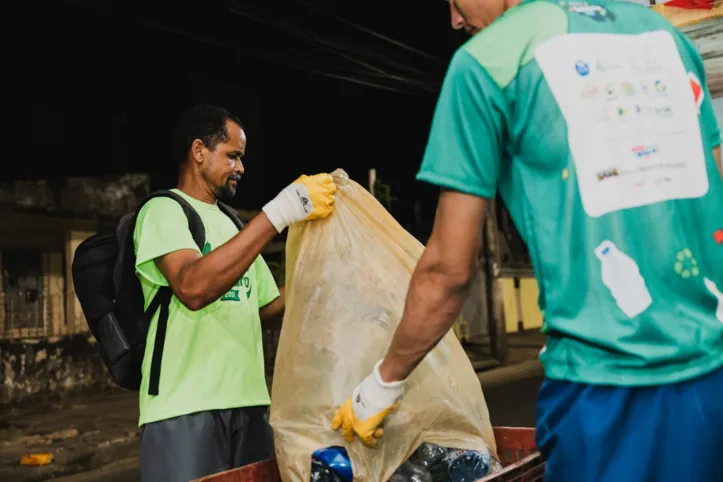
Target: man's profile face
[474,15]
[223,166]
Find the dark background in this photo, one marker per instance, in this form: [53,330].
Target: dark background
[316,82]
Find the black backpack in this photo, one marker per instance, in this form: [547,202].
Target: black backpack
[112,299]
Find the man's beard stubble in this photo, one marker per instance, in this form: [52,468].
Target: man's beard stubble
[226,192]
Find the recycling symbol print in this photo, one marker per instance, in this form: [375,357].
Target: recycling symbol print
[685,264]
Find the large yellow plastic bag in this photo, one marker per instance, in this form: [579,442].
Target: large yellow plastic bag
[346,281]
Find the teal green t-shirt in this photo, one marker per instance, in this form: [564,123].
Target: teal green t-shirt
[212,358]
[594,123]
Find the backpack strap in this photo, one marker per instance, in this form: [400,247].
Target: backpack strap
[162,298]
[195,224]
[233,214]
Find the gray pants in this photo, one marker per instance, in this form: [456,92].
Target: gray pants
[192,446]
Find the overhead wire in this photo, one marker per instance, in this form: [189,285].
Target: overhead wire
[312,38]
[266,57]
[370,31]
[331,45]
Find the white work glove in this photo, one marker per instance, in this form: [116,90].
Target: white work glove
[306,199]
[364,412]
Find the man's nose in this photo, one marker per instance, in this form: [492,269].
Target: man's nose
[239,166]
[455,18]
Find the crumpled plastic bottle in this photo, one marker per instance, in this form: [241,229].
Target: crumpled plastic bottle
[467,465]
[336,460]
[428,455]
[322,473]
[410,472]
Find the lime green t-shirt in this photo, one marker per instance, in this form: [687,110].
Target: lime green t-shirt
[593,121]
[212,358]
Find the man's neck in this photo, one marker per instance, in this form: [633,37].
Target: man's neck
[196,188]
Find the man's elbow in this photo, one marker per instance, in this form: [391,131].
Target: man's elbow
[455,280]
[188,286]
[459,282]
[192,302]
[192,295]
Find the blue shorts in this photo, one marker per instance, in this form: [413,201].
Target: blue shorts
[666,433]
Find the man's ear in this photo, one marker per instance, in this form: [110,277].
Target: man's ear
[198,150]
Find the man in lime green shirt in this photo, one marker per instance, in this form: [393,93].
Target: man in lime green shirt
[594,123]
[211,410]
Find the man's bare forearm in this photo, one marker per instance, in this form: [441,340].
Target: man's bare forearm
[209,277]
[439,285]
[272,313]
[434,302]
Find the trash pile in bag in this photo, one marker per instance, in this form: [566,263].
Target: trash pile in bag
[347,278]
[430,463]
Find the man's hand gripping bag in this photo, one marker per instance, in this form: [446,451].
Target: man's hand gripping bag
[346,281]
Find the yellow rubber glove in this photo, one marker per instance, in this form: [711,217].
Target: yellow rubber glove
[306,199]
[369,405]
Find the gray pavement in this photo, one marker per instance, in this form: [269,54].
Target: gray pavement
[122,471]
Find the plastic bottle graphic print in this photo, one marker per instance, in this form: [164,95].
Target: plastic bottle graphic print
[621,275]
[717,293]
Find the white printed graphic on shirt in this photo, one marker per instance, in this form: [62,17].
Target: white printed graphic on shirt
[631,117]
[717,293]
[621,275]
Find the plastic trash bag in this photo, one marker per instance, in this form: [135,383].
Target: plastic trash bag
[346,281]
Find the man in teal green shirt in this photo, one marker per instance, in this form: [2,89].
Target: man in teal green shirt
[593,122]
[211,410]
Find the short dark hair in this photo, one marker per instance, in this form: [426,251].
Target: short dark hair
[201,121]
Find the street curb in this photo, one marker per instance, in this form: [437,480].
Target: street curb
[99,456]
[510,374]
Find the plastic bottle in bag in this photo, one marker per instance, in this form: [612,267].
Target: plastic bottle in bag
[335,459]
[464,466]
[322,473]
[410,472]
[428,455]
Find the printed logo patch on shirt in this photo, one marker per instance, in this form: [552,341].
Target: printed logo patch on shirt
[595,12]
[242,284]
[206,249]
[644,151]
[582,68]
[685,264]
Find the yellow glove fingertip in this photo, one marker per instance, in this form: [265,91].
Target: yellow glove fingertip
[336,422]
[370,442]
[348,433]
[379,433]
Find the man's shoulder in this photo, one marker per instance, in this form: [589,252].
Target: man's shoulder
[159,217]
[159,207]
[510,41]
